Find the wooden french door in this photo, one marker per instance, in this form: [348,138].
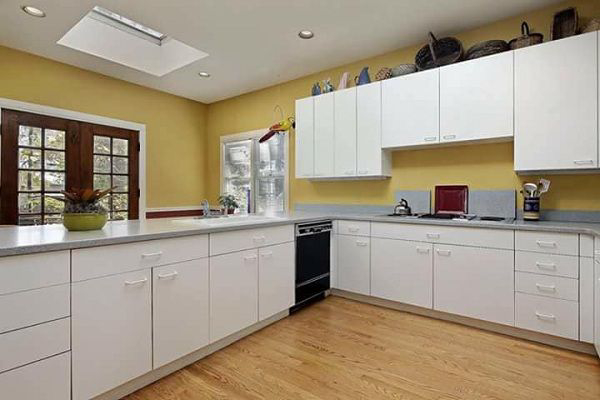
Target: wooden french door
[42,155]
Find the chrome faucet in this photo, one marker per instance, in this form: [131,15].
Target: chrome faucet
[206,208]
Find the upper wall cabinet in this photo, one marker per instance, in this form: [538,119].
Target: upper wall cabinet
[305,145]
[556,105]
[371,161]
[410,110]
[324,147]
[476,99]
[345,132]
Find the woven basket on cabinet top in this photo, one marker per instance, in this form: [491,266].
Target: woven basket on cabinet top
[439,52]
[486,48]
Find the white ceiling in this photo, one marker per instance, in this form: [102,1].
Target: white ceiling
[253,43]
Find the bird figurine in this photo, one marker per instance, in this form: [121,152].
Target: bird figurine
[280,127]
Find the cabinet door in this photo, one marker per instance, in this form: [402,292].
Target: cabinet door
[345,132]
[180,300]
[556,102]
[111,332]
[368,130]
[324,135]
[402,271]
[474,282]
[353,264]
[233,293]
[597,298]
[410,109]
[305,136]
[476,99]
[586,299]
[276,279]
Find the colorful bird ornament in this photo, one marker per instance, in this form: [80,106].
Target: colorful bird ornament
[280,127]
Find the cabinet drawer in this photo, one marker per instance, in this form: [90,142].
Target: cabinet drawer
[49,379]
[476,237]
[33,271]
[32,344]
[547,264]
[356,228]
[549,286]
[245,239]
[31,307]
[109,260]
[548,242]
[543,314]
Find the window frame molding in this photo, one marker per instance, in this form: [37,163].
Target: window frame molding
[94,119]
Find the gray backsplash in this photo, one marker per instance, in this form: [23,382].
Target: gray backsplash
[418,200]
[493,203]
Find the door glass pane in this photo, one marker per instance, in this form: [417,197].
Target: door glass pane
[102,164]
[51,205]
[54,139]
[120,165]
[30,181]
[240,189]
[120,215]
[30,136]
[101,182]
[54,160]
[271,156]
[29,219]
[101,144]
[30,203]
[53,219]
[119,202]
[237,159]
[30,158]
[270,195]
[54,181]
[119,147]
[120,183]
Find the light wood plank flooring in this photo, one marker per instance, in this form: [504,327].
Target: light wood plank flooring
[341,349]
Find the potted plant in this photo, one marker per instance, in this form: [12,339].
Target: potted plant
[83,211]
[229,203]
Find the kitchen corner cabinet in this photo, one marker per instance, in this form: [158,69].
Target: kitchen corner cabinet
[324,145]
[276,279]
[353,264]
[556,105]
[476,99]
[111,332]
[410,109]
[180,309]
[305,146]
[345,132]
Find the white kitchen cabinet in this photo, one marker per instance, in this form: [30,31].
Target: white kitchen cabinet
[305,136]
[353,264]
[324,135]
[370,160]
[180,310]
[586,299]
[233,293]
[547,315]
[556,105]
[474,282]
[410,109]
[111,332]
[402,271]
[345,132]
[597,295]
[476,99]
[276,279]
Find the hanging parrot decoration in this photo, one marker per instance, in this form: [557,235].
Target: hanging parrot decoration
[280,127]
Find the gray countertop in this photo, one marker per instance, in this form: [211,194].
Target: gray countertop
[35,239]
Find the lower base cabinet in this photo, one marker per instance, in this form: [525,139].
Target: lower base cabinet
[180,310]
[402,271]
[111,332]
[474,282]
[276,279]
[233,293]
[353,264]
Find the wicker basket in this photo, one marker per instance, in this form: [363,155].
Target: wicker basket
[526,38]
[440,52]
[403,69]
[564,23]
[486,48]
[592,26]
[383,73]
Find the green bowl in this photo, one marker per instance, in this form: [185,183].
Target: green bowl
[84,221]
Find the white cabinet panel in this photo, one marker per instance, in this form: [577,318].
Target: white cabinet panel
[474,282]
[354,228]
[410,109]
[305,145]
[543,314]
[368,128]
[180,310]
[354,264]
[548,242]
[402,271]
[548,286]
[111,332]
[276,279]
[324,139]
[586,300]
[476,99]
[345,132]
[549,264]
[233,293]
[597,298]
[556,105]
[34,271]
[244,239]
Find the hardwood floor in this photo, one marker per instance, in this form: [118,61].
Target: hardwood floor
[341,349]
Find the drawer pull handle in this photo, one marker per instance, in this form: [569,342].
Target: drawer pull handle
[583,162]
[135,283]
[430,138]
[170,275]
[353,229]
[549,245]
[259,239]
[433,235]
[546,266]
[363,171]
[267,255]
[361,244]
[423,250]
[250,258]
[448,137]
[158,254]
[547,288]
[443,252]
[545,317]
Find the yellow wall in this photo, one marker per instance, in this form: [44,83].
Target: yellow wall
[485,166]
[175,139]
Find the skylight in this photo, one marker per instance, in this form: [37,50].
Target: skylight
[121,22]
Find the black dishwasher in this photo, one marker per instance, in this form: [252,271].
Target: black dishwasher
[313,244]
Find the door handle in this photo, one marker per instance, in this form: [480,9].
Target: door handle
[423,250]
[545,317]
[259,239]
[363,171]
[443,252]
[546,266]
[548,288]
[250,258]
[158,254]
[449,137]
[584,162]
[268,254]
[430,138]
[433,235]
[170,275]
[361,244]
[135,283]
[549,245]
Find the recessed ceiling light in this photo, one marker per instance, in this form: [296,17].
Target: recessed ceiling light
[204,74]
[306,34]
[34,12]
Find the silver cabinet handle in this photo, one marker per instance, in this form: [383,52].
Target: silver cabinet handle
[545,266]
[268,254]
[158,254]
[250,258]
[353,229]
[170,275]
[361,243]
[433,235]
[363,171]
[448,137]
[547,288]
[430,138]
[545,244]
[584,162]
[135,283]
[545,317]
[423,250]
[443,252]
[258,239]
